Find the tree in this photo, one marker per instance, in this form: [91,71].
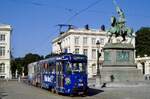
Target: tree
[13,67]
[29,58]
[143,41]
[17,64]
[22,63]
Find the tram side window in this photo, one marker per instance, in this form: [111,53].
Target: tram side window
[62,67]
[45,67]
[38,68]
[59,67]
[68,68]
[79,67]
[52,68]
[48,68]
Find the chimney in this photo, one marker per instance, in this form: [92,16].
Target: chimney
[87,27]
[103,27]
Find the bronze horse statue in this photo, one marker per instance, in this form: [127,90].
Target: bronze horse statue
[118,27]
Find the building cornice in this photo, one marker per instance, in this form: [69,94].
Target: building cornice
[80,32]
[4,27]
[142,58]
[3,59]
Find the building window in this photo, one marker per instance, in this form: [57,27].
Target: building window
[2,51]
[93,53]
[84,40]
[2,77]
[93,41]
[102,40]
[76,39]
[2,37]
[76,51]
[2,68]
[94,69]
[85,52]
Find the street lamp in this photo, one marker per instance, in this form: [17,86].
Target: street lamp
[98,76]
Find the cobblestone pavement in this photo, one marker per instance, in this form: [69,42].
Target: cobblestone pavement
[19,90]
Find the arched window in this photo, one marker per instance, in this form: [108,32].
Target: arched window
[2,68]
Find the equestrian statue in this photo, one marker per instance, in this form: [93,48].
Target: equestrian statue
[118,27]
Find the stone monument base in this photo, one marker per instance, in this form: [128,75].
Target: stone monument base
[119,64]
[122,74]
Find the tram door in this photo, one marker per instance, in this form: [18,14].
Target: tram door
[59,74]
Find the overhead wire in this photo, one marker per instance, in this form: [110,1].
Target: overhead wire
[83,10]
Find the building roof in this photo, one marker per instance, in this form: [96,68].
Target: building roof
[80,31]
[5,27]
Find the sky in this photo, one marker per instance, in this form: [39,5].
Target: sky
[35,22]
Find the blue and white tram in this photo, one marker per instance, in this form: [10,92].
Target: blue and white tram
[65,73]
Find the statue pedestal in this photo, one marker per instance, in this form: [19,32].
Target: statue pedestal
[119,64]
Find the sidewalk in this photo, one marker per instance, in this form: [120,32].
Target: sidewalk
[92,81]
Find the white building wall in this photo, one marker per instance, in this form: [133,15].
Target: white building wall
[6,30]
[143,63]
[147,67]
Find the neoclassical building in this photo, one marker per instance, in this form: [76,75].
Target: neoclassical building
[143,63]
[5,50]
[82,41]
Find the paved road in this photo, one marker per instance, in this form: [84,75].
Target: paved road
[20,90]
[16,90]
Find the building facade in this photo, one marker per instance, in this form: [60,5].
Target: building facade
[82,41]
[143,63]
[5,50]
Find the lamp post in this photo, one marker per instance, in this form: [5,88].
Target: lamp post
[98,75]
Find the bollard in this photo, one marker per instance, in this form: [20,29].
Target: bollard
[7,79]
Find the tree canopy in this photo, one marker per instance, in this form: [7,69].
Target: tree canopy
[143,41]
[21,63]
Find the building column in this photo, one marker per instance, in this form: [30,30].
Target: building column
[147,67]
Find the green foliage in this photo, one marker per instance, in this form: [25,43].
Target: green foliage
[21,63]
[29,58]
[143,41]
[13,67]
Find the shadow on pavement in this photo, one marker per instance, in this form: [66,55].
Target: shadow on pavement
[92,91]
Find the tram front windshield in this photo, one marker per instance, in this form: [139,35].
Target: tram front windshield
[76,67]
